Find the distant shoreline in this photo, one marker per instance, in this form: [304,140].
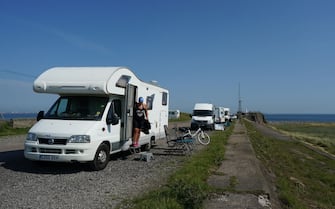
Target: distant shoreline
[9,116]
[322,118]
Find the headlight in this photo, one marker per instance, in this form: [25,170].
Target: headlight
[31,137]
[80,139]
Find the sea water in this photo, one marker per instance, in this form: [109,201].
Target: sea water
[300,117]
[8,116]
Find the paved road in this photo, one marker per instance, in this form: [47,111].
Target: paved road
[11,143]
[242,173]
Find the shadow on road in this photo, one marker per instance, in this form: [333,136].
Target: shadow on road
[15,161]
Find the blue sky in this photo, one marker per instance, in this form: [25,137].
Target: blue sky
[281,53]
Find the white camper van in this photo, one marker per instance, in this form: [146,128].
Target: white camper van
[219,115]
[92,118]
[203,116]
[227,114]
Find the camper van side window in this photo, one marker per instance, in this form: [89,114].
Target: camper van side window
[114,112]
[117,107]
[57,108]
[164,98]
[62,106]
[149,102]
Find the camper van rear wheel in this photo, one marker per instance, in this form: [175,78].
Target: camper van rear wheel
[101,158]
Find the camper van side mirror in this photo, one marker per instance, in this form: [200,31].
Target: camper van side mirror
[112,119]
[40,115]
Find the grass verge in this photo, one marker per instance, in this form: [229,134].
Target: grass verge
[187,187]
[304,178]
[6,130]
[321,135]
[183,117]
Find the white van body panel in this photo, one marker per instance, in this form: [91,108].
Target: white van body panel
[83,80]
[90,82]
[68,127]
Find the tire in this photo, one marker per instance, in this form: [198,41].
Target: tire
[204,138]
[101,158]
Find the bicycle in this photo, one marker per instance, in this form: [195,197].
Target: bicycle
[199,134]
[179,143]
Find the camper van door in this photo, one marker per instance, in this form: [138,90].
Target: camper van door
[129,105]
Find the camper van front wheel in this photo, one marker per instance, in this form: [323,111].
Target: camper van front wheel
[101,158]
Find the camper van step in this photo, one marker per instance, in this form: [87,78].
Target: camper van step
[135,149]
[146,156]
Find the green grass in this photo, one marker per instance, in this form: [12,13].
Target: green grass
[6,130]
[183,117]
[304,179]
[318,134]
[187,187]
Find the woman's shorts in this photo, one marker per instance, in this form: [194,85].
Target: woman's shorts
[138,124]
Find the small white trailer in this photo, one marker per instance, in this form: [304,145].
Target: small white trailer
[92,118]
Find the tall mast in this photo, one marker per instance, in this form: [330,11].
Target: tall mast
[239,100]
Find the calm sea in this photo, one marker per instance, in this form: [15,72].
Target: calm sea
[8,116]
[300,117]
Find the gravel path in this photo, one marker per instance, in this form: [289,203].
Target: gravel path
[25,184]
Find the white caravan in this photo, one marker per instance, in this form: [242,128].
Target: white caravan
[203,116]
[92,118]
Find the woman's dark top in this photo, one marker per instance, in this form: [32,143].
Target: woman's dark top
[139,116]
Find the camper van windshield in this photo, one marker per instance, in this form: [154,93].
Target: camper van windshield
[77,108]
[202,112]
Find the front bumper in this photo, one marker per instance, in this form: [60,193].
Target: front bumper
[202,124]
[59,153]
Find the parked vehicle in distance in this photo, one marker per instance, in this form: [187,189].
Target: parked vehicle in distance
[203,116]
[174,114]
[93,116]
[227,114]
[219,115]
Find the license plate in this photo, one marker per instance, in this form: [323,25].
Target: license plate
[48,157]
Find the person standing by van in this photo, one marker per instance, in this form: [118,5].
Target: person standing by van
[140,117]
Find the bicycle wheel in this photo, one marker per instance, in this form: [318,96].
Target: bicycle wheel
[204,138]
